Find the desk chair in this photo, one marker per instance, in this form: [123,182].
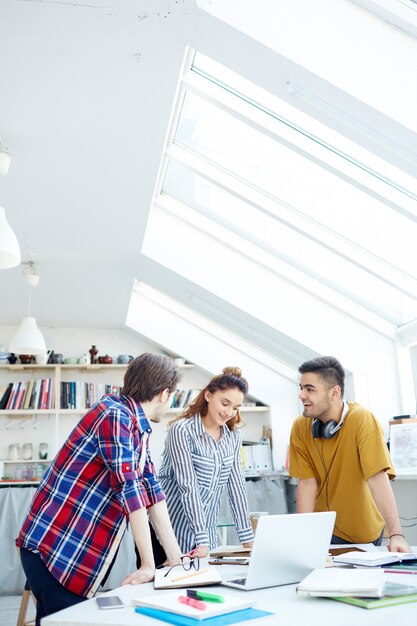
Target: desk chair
[21,618]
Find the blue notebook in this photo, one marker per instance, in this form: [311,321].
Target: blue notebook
[220,620]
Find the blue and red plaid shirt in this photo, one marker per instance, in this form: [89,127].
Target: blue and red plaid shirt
[79,512]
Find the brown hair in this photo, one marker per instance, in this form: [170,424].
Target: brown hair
[230,378]
[148,375]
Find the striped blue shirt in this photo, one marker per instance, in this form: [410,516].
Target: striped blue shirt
[194,472]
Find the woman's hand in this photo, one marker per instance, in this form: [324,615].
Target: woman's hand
[201,551]
[248,544]
[142,575]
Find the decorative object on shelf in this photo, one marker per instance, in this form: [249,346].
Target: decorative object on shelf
[42,359]
[105,360]
[43,451]
[27,451]
[83,360]
[12,358]
[25,359]
[57,358]
[28,339]
[4,356]
[14,452]
[93,354]
[124,359]
[71,360]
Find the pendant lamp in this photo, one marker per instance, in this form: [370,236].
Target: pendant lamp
[5,160]
[9,246]
[28,339]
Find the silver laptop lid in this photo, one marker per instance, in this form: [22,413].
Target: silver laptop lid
[288,547]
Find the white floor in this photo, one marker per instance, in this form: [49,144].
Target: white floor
[9,609]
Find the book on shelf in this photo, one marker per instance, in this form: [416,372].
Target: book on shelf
[28,395]
[170,602]
[12,398]
[20,395]
[178,578]
[394,593]
[331,582]
[183,397]
[375,558]
[6,395]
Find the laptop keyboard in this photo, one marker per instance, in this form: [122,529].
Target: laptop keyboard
[238,581]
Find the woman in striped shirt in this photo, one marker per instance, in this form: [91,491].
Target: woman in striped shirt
[202,456]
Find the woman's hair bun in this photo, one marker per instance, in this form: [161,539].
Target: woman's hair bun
[232,371]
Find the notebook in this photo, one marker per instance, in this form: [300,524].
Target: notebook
[169,602]
[375,558]
[394,593]
[220,620]
[178,578]
[286,548]
[331,582]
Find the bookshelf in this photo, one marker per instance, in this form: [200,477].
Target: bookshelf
[44,425]
[52,425]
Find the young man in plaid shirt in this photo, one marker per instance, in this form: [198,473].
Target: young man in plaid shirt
[102,479]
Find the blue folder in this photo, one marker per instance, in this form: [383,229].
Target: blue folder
[219,620]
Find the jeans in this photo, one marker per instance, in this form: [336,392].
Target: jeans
[50,595]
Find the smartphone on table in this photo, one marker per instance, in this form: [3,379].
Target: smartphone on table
[109,602]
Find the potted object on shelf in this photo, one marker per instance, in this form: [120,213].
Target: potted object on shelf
[93,355]
[25,359]
[105,360]
[123,359]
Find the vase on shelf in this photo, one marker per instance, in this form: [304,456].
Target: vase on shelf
[93,355]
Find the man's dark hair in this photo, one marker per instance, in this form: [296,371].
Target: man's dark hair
[148,375]
[328,368]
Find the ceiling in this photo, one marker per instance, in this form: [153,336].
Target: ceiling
[88,92]
[78,114]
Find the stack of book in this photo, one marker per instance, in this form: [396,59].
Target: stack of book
[365,584]
[82,395]
[183,397]
[29,394]
[192,607]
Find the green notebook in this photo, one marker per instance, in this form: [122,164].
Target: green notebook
[395,593]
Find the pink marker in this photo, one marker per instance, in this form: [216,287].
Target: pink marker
[197,604]
[193,552]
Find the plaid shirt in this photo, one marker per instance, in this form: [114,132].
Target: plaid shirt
[79,512]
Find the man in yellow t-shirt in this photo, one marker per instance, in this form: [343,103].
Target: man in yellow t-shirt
[341,460]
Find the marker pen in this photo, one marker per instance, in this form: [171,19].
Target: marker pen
[197,604]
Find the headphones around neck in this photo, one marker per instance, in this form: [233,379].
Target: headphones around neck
[328,430]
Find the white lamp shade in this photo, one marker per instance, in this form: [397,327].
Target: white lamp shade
[28,339]
[5,159]
[9,246]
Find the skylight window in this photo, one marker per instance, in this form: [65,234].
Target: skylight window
[298,193]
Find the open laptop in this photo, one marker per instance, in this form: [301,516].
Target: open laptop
[286,549]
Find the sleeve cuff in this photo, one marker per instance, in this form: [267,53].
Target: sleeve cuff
[246,535]
[202,539]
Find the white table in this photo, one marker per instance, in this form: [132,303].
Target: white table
[289,609]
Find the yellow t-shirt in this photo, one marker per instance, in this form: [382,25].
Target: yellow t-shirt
[342,466]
